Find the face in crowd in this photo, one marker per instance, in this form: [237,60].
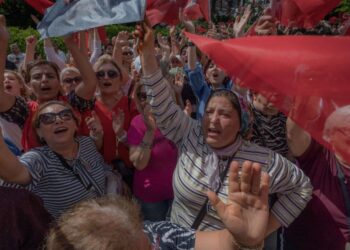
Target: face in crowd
[128,55]
[108,75]
[337,133]
[44,81]
[215,75]
[70,79]
[262,104]
[221,121]
[55,124]
[13,83]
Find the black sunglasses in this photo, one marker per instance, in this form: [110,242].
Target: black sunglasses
[49,118]
[142,96]
[76,79]
[110,74]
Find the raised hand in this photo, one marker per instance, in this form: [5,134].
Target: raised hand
[4,35]
[266,24]
[247,211]
[241,22]
[145,38]
[118,122]
[188,24]
[188,108]
[31,41]
[122,38]
[94,125]
[163,43]
[178,82]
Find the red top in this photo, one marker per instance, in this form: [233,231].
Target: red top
[322,224]
[109,138]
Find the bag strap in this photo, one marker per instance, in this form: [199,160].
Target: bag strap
[91,182]
[345,192]
[203,211]
[66,165]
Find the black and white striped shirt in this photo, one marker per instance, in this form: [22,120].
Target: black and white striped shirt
[190,181]
[57,186]
[270,132]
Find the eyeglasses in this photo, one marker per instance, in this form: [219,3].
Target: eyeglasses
[142,96]
[128,53]
[110,73]
[76,79]
[50,118]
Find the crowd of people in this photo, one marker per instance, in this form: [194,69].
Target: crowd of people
[145,143]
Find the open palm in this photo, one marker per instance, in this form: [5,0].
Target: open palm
[246,213]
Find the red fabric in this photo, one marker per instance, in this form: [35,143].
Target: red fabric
[302,13]
[164,11]
[197,9]
[40,5]
[309,73]
[102,34]
[109,139]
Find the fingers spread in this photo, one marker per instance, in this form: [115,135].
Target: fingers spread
[233,181]
[246,176]
[256,176]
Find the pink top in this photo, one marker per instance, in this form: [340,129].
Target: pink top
[154,182]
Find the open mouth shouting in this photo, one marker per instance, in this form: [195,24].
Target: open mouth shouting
[60,130]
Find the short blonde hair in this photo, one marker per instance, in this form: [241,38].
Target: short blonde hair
[107,59]
[103,223]
[68,69]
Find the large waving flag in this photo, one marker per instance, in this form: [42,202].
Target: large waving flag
[164,11]
[62,19]
[307,77]
[196,9]
[302,13]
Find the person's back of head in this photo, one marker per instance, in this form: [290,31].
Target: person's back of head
[105,223]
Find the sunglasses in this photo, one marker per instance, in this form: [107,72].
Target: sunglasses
[76,79]
[110,73]
[142,96]
[50,118]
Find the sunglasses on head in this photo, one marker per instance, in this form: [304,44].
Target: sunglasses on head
[142,96]
[110,74]
[50,118]
[76,79]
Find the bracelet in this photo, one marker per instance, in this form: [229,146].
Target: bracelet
[122,138]
[146,145]
[257,247]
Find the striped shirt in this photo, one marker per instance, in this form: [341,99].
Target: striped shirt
[58,187]
[270,132]
[190,181]
[164,235]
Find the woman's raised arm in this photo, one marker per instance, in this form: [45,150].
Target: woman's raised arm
[6,100]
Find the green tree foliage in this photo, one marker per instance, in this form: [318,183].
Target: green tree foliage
[344,7]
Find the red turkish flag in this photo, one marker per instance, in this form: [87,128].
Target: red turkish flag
[302,13]
[40,5]
[196,9]
[164,11]
[307,74]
